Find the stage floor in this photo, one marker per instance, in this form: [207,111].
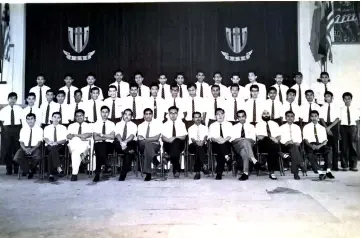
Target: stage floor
[181,208]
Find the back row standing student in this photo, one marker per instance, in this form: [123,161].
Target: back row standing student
[234,103]
[252,77]
[203,88]
[164,88]
[31,108]
[10,117]
[322,86]
[223,90]
[182,87]
[281,88]
[69,89]
[40,90]
[299,88]
[143,91]
[87,89]
[235,80]
[121,86]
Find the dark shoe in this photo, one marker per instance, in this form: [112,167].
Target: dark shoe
[23,174]
[322,177]
[329,175]
[176,174]
[257,166]
[272,176]
[74,178]
[243,177]
[148,177]
[205,170]
[51,178]
[16,171]
[304,169]
[354,169]
[296,177]
[61,174]
[219,176]
[96,178]
[122,177]
[197,176]
[31,175]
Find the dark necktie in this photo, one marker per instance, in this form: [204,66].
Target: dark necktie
[254,111]
[89,94]
[47,114]
[148,130]
[55,135]
[291,107]
[299,95]
[235,110]
[315,131]
[103,130]
[125,131]
[76,108]
[79,130]
[325,87]
[113,111]
[280,93]
[155,108]
[134,109]
[348,116]
[174,103]
[180,92]
[215,105]
[329,113]
[243,134]
[68,98]
[273,110]
[163,94]
[268,130]
[140,91]
[95,116]
[220,130]
[40,97]
[118,92]
[31,135]
[61,113]
[309,112]
[31,110]
[193,108]
[201,93]
[174,131]
[12,117]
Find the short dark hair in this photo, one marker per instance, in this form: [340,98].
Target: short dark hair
[174,85]
[289,112]
[31,94]
[160,74]
[309,91]
[78,91]
[118,70]
[215,86]
[147,110]
[173,108]
[328,93]
[235,74]
[195,113]
[90,74]
[128,110]
[105,107]
[298,74]
[314,112]
[154,84]
[254,86]
[133,85]
[179,73]
[252,71]
[61,92]
[31,115]
[324,73]
[242,111]
[112,86]
[49,91]
[272,89]
[41,75]
[278,73]
[68,75]
[218,109]
[138,73]
[200,71]
[234,85]
[56,113]
[217,72]
[347,94]
[291,90]
[79,111]
[13,94]
[191,85]
[94,89]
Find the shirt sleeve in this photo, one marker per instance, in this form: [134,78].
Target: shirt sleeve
[183,129]
[22,135]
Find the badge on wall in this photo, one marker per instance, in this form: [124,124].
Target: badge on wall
[236,43]
[78,38]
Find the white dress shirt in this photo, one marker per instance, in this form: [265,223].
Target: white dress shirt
[36,90]
[241,94]
[262,90]
[131,129]
[72,89]
[354,115]
[206,90]
[319,90]
[295,108]
[185,93]
[85,91]
[167,93]
[249,131]
[221,103]
[305,110]
[34,110]
[334,111]
[61,132]
[309,133]
[284,89]
[215,129]
[118,106]
[109,128]
[155,128]
[124,88]
[261,128]
[89,109]
[66,113]
[194,131]
[179,103]
[230,107]
[260,106]
[180,128]
[73,128]
[160,104]
[290,132]
[199,105]
[53,107]
[277,107]
[302,94]
[145,91]
[36,135]
[5,115]
[72,108]
[127,102]
[224,92]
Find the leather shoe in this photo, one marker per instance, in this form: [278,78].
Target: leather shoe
[344,169]
[272,176]
[122,177]
[74,177]
[322,177]
[176,174]
[30,175]
[353,169]
[243,177]
[219,176]
[23,174]
[197,176]
[51,178]
[96,178]
[61,174]
[148,177]
[329,175]
[296,177]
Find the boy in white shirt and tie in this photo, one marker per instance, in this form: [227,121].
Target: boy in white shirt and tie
[135,103]
[281,88]
[203,88]
[182,87]
[69,89]
[114,103]
[217,77]
[31,108]
[87,89]
[143,91]
[48,108]
[121,86]
[309,106]
[164,88]
[40,90]
[155,103]
[274,106]
[252,77]
[234,103]
[235,80]
[92,107]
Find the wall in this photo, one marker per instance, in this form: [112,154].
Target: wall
[14,71]
[345,69]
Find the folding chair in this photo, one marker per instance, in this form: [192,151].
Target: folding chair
[63,156]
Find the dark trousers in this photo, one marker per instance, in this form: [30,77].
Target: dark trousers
[221,150]
[54,157]
[266,145]
[150,151]
[9,145]
[27,162]
[174,150]
[332,142]
[102,149]
[200,155]
[349,146]
[129,153]
[311,156]
[296,156]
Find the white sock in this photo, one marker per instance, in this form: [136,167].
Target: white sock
[320,172]
[328,170]
[254,160]
[245,173]
[59,169]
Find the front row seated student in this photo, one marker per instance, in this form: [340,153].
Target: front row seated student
[291,139]
[198,134]
[31,137]
[244,137]
[220,133]
[268,136]
[174,133]
[103,132]
[315,138]
[149,133]
[78,136]
[125,132]
[55,138]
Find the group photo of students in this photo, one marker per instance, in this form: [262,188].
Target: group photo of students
[208,128]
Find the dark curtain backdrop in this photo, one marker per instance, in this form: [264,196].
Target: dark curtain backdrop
[160,37]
